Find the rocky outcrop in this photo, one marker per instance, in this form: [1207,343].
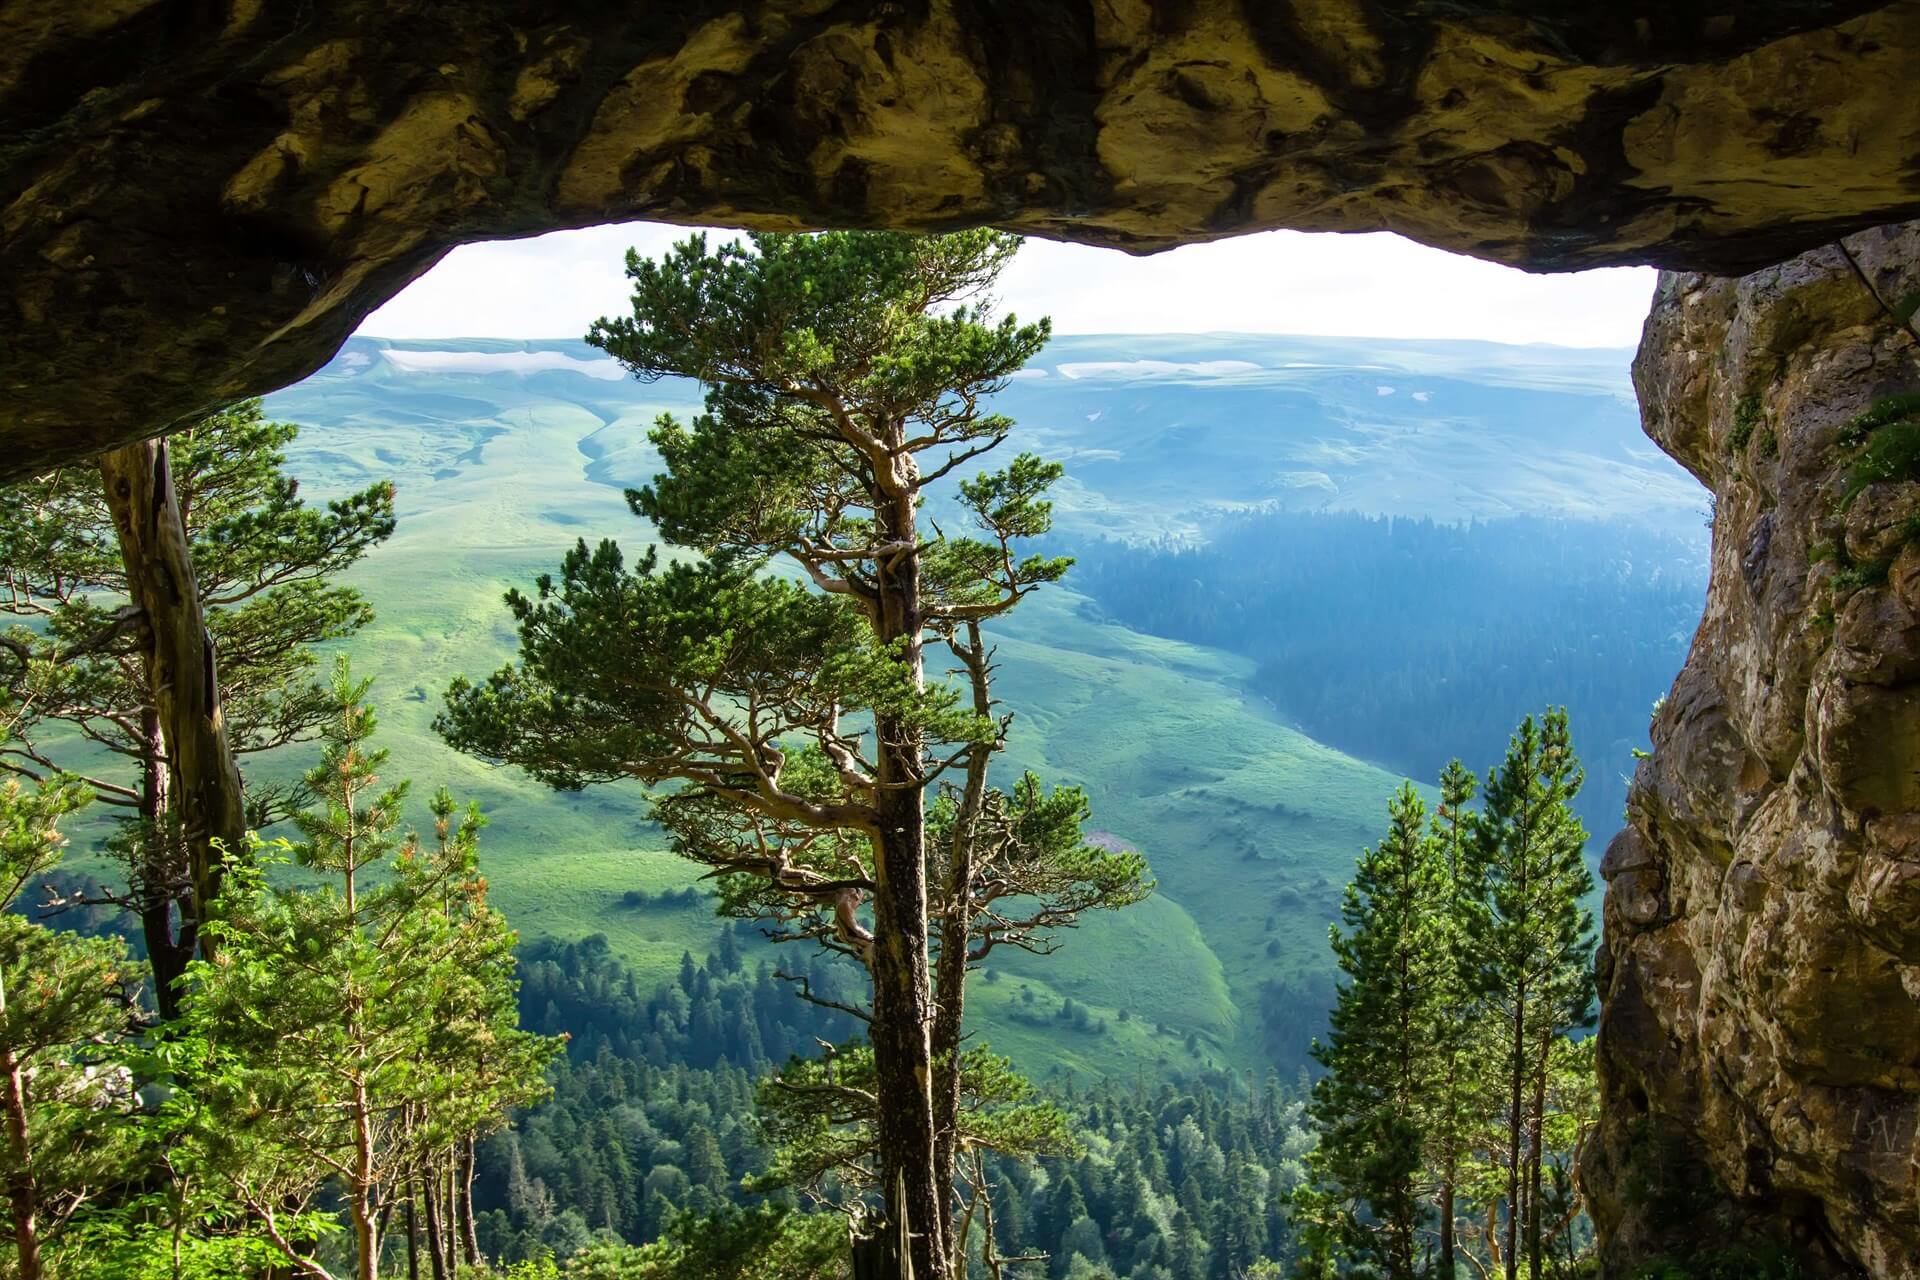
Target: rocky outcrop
[200,198]
[1760,1042]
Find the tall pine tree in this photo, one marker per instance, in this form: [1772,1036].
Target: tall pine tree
[357,1032]
[1458,1098]
[840,793]
[1373,1104]
[1533,949]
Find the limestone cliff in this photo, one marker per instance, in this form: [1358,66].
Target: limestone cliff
[200,198]
[1760,1044]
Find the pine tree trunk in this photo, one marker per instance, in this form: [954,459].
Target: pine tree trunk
[956,926]
[1537,1119]
[1516,1104]
[469,1240]
[20,1187]
[366,1236]
[156,878]
[443,1184]
[436,1236]
[901,1047]
[413,1231]
[1447,1264]
[949,1008]
[182,674]
[902,995]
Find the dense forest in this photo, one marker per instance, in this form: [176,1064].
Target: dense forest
[1408,642]
[653,1115]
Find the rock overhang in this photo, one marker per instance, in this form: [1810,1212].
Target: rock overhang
[200,201]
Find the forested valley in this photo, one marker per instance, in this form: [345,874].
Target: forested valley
[262,1017]
[1409,642]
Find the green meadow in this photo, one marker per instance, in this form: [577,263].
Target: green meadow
[504,453]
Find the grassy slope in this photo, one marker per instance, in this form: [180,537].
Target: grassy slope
[1250,826]
[483,508]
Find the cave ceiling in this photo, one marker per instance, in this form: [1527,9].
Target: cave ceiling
[200,200]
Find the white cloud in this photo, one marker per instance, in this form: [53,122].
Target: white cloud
[521,362]
[1153,368]
[1375,285]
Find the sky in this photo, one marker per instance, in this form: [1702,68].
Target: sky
[1374,285]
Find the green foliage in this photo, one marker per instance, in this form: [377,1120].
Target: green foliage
[67,1008]
[264,562]
[819,1115]
[1746,416]
[136,1240]
[767,1242]
[1861,576]
[1466,957]
[1398,965]
[1891,452]
[357,1030]
[1883,412]
[81,664]
[637,673]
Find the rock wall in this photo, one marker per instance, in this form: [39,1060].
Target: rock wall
[1760,1041]
[199,199]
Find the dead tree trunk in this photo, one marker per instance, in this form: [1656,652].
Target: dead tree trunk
[156,875]
[182,674]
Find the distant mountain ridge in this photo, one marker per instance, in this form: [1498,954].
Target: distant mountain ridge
[1159,430]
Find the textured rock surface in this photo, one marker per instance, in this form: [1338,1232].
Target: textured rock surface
[199,199]
[1760,1044]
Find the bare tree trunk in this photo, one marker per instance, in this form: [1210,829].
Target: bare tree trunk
[901,1044]
[413,1230]
[182,673]
[156,876]
[366,1234]
[450,1209]
[20,1186]
[1447,1266]
[1537,1119]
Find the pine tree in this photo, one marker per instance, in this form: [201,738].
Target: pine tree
[1373,1104]
[360,1031]
[1533,949]
[261,561]
[844,376]
[66,1006]
[1458,1098]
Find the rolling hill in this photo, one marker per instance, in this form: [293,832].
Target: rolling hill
[505,452]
